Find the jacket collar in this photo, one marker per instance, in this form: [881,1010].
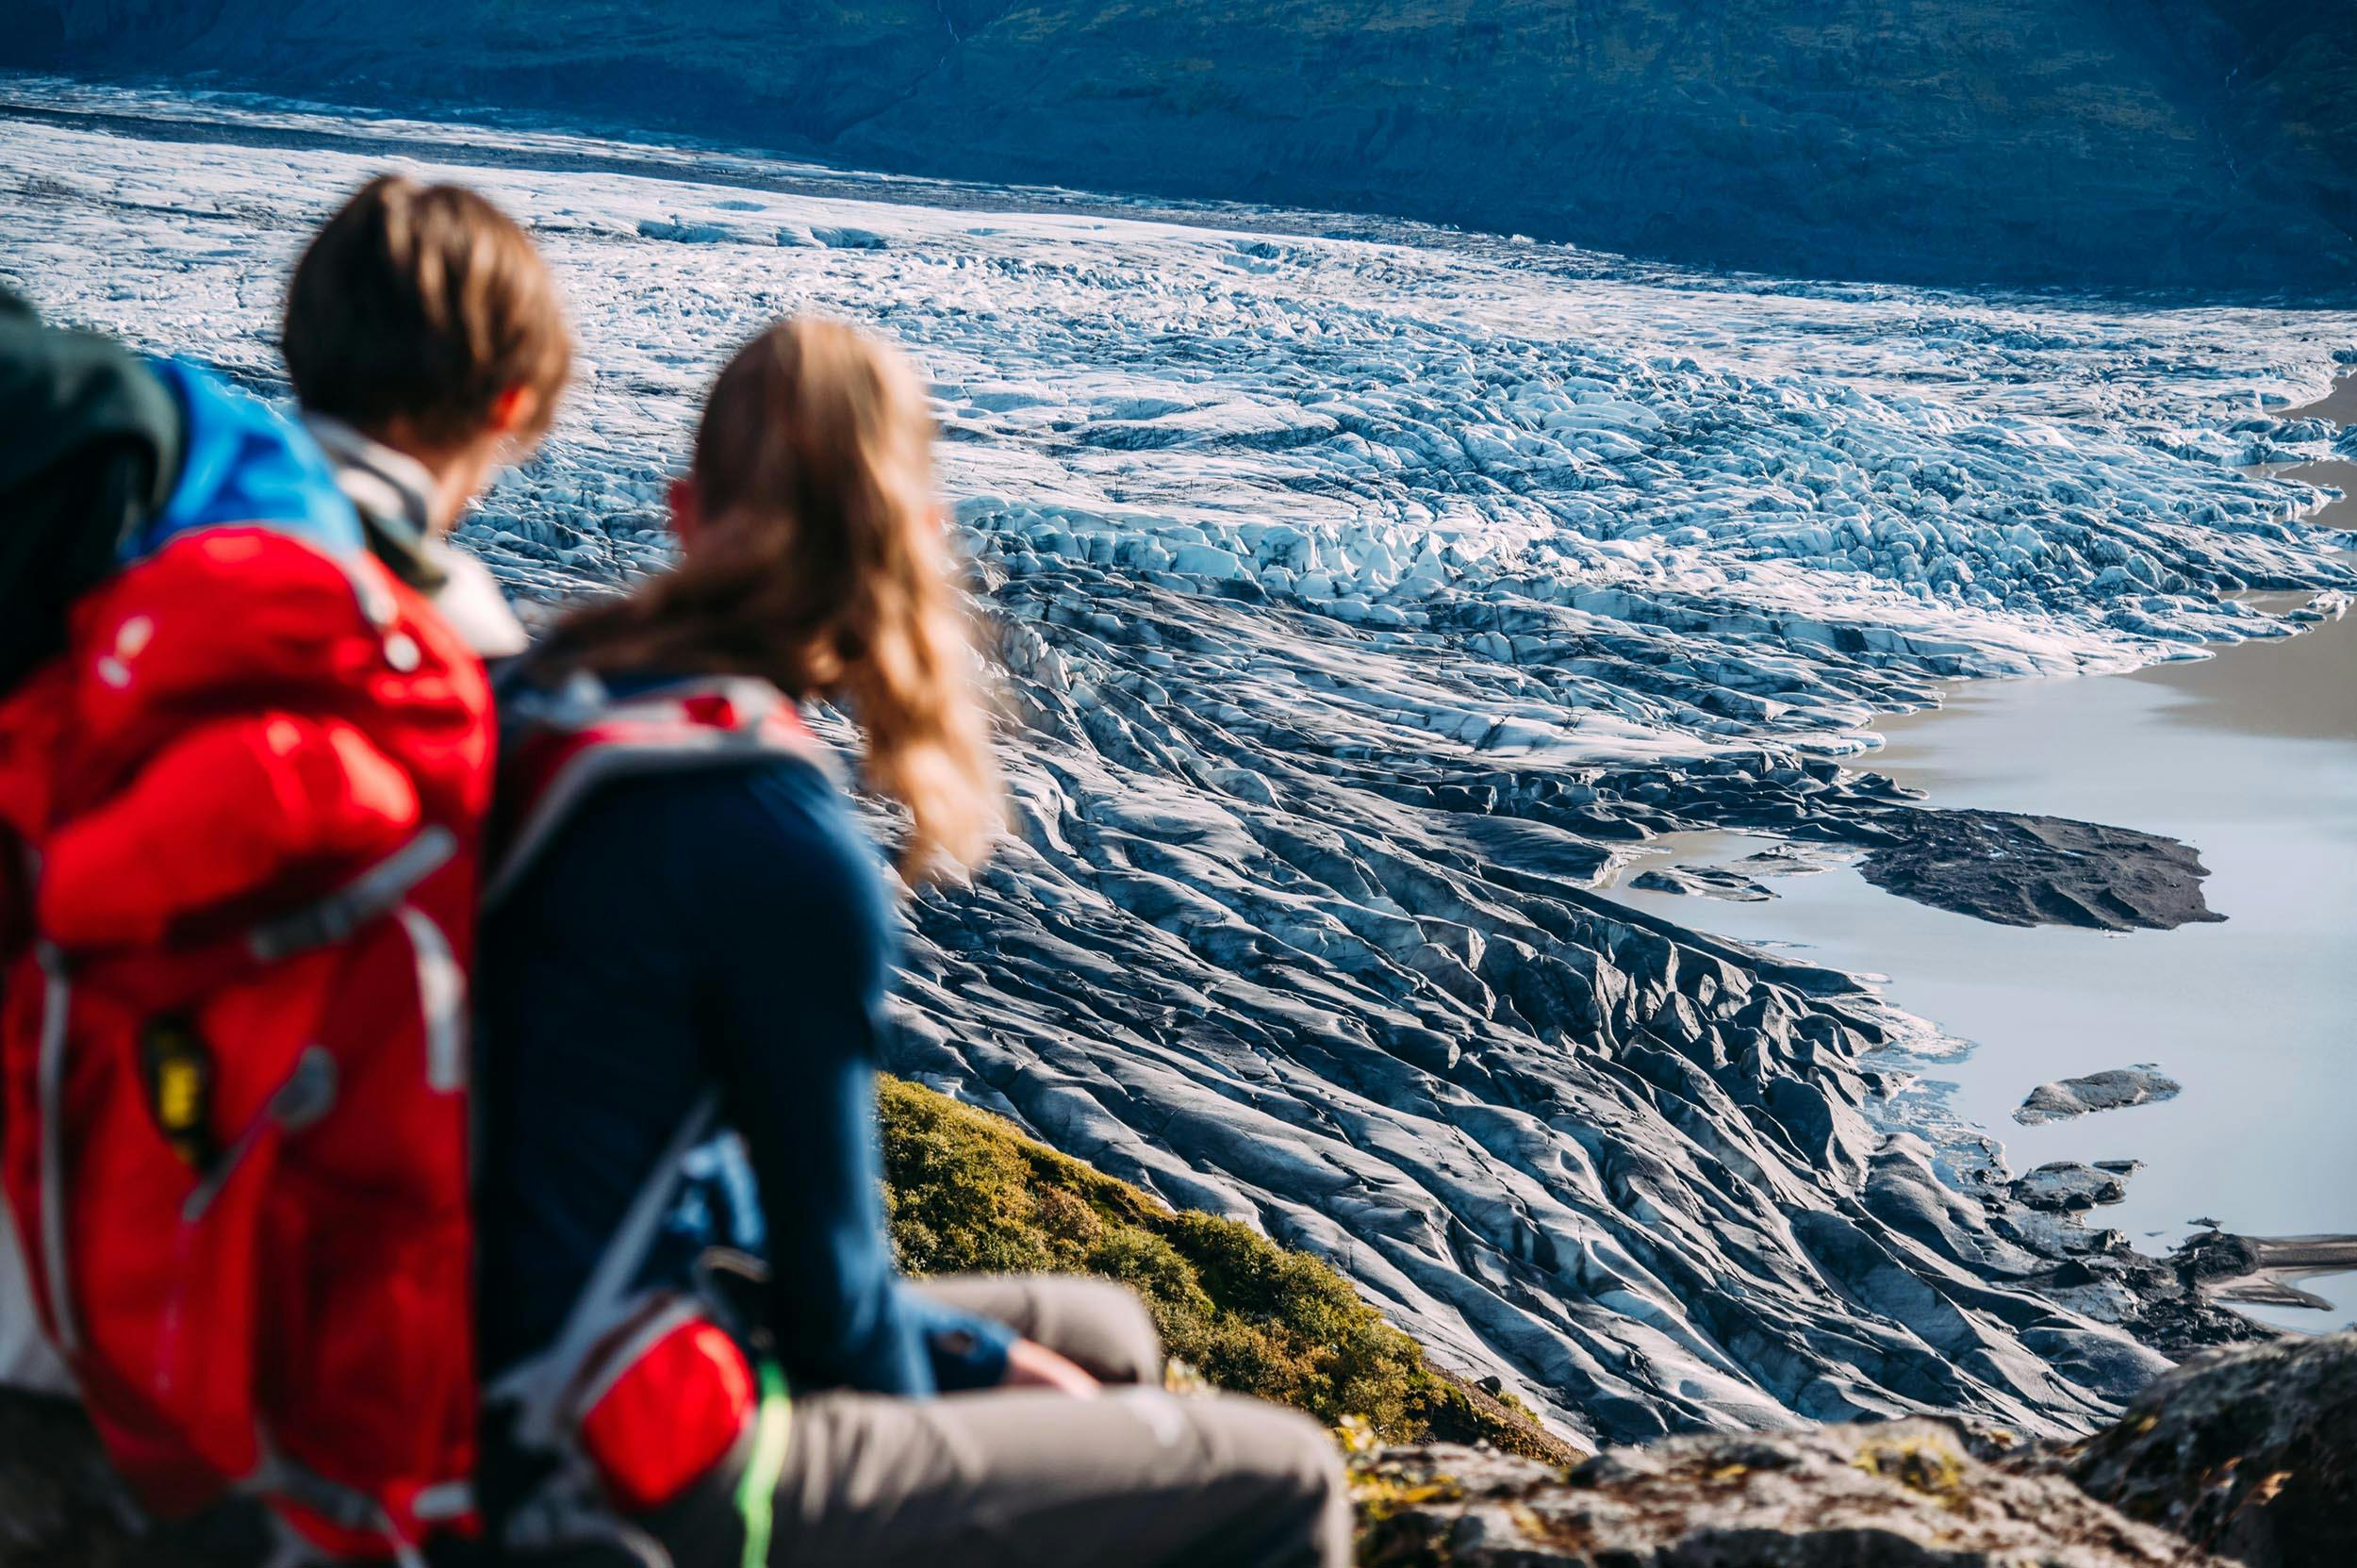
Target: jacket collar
[394,495]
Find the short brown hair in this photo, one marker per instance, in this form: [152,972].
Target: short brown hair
[421,305]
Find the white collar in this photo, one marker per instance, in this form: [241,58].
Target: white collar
[394,488]
[394,493]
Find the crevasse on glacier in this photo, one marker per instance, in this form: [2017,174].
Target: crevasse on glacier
[1354,602]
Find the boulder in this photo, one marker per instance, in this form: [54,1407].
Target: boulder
[2250,1453]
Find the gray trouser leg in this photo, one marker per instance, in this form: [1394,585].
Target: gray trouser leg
[1101,1326]
[1024,1478]
[1029,1478]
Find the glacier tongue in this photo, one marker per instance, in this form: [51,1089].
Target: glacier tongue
[1356,602]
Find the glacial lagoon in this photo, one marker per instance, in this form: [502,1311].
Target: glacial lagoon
[2250,756]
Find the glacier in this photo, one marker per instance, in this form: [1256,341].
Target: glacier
[1358,593]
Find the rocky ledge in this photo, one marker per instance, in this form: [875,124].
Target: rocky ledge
[2246,1457]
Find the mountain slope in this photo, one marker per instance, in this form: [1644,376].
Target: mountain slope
[2114,143]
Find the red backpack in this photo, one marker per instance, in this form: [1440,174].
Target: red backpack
[232,1043]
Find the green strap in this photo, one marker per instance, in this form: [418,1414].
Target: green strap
[757,1489]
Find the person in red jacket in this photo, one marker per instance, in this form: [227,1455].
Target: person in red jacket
[427,348]
[246,802]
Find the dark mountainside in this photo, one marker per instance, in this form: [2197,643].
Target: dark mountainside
[2118,144]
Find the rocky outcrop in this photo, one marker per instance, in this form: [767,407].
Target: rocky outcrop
[2245,1458]
[2252,1453]
[2021,870]
[967,1194]
[1994,142]
[1905,1495]
[2265,1269]
[1709,881]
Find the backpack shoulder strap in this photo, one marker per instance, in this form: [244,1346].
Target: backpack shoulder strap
[538,1384]
[562,746]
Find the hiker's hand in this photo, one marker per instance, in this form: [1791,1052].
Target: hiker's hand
[1033,1365]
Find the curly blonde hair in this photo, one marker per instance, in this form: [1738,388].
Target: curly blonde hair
[822,565]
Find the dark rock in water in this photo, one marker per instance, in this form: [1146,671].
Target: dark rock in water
[2216,1255]
[2252,1454]
[2065,1186]
[2092,1273]
[2263,1270]
[1904,1494]
[2111,1090]
[2181,1326]
[1709,881]
[2021,870]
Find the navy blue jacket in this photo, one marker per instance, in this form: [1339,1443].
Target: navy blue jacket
[728,926]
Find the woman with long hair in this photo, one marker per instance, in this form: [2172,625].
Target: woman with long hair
[688,933]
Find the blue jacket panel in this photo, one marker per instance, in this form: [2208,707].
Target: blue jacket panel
[244,462]
[725,925]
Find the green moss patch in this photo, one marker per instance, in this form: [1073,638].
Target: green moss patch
[967,1193]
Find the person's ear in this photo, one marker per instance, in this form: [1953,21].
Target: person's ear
[688,511]
[513,411]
